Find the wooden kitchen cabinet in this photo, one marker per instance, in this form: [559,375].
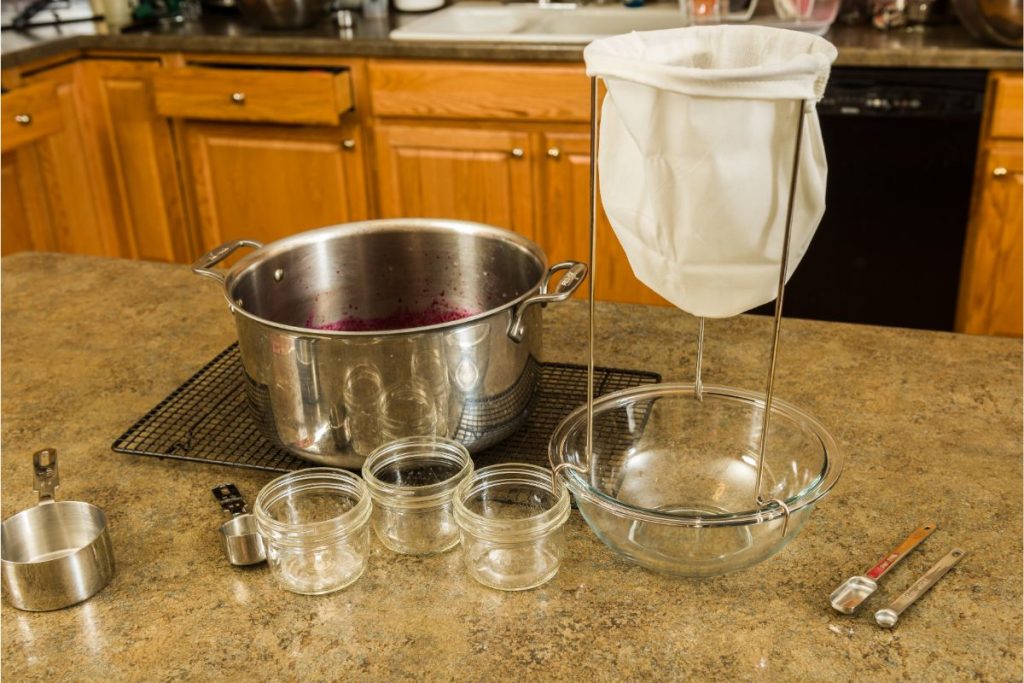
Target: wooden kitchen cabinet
[265,151]
[991,297]
[563,218]
[30,114]
[105,181]
[264,182]
[507,145]
[474,174]
[534,182]
[25,214]
[135,151]
[67,174]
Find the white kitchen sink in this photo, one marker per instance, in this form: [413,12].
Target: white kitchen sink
[534,23]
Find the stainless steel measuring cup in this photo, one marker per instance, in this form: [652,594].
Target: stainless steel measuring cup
[856,589]
[57,553]
[239,536]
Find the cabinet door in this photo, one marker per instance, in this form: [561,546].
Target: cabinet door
[991,287]
[70,176]
[25,215]
[563,219]
[136,153]
[30,114]
[475,174]
[264,182]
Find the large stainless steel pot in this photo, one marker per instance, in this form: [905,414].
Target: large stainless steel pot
[332,396]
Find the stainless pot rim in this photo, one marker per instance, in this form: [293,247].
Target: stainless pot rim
[446,225]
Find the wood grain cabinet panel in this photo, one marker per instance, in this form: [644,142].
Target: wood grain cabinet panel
[29,113]
[25,214]
[475,174]
[563,219]
[992,289]
[264,182]
[266,95]
[485,91]
[1007,120]
[135,149]
[991,299]
[25,222]
[71,178]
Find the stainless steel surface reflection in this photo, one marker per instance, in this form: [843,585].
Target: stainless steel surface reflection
[356,334]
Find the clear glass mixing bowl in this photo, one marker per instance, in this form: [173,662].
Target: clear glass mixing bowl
[671,481]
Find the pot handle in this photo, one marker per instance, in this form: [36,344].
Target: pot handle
[204,263]
[576,272]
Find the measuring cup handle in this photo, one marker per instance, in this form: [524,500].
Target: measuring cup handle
[230,499]
[45,477]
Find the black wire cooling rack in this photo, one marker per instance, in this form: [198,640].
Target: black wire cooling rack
[207,419]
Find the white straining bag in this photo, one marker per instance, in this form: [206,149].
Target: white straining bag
[696,151]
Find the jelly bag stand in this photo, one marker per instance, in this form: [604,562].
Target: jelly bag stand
[712,173]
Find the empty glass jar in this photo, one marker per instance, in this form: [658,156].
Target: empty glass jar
[409,409]
[315,526]
[412,481]
[511,518]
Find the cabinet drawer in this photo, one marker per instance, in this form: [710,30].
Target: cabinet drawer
[1007,106]
[480,90]
[29,113]
[267,95]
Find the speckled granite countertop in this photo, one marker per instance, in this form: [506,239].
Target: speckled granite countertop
[942,46]
[930,422]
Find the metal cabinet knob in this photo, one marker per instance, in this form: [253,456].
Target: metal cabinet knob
[554,152]
[999,171]
[23,119]
[518,152]
[238,97]
[348,143]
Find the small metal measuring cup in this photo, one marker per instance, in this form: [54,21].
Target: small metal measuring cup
[239,536]
[57,553]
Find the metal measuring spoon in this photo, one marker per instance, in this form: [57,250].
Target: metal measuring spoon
[888,617]
[856,589]
[239,537]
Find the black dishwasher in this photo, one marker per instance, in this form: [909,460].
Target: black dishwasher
[901,148]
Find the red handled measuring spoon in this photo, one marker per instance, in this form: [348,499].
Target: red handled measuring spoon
[856,589]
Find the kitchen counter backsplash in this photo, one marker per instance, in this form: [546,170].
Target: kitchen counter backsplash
[941,46]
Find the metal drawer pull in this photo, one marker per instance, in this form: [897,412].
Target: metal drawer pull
[348,143]
[999,171]
[23,119]
[238,97]
[518,152]
[554,152]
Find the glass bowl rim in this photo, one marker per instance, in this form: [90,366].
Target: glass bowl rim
[831,469]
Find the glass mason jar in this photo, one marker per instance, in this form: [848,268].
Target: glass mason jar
[409,409]
[511,518]
[412,481]
[315,526]
[362,391]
